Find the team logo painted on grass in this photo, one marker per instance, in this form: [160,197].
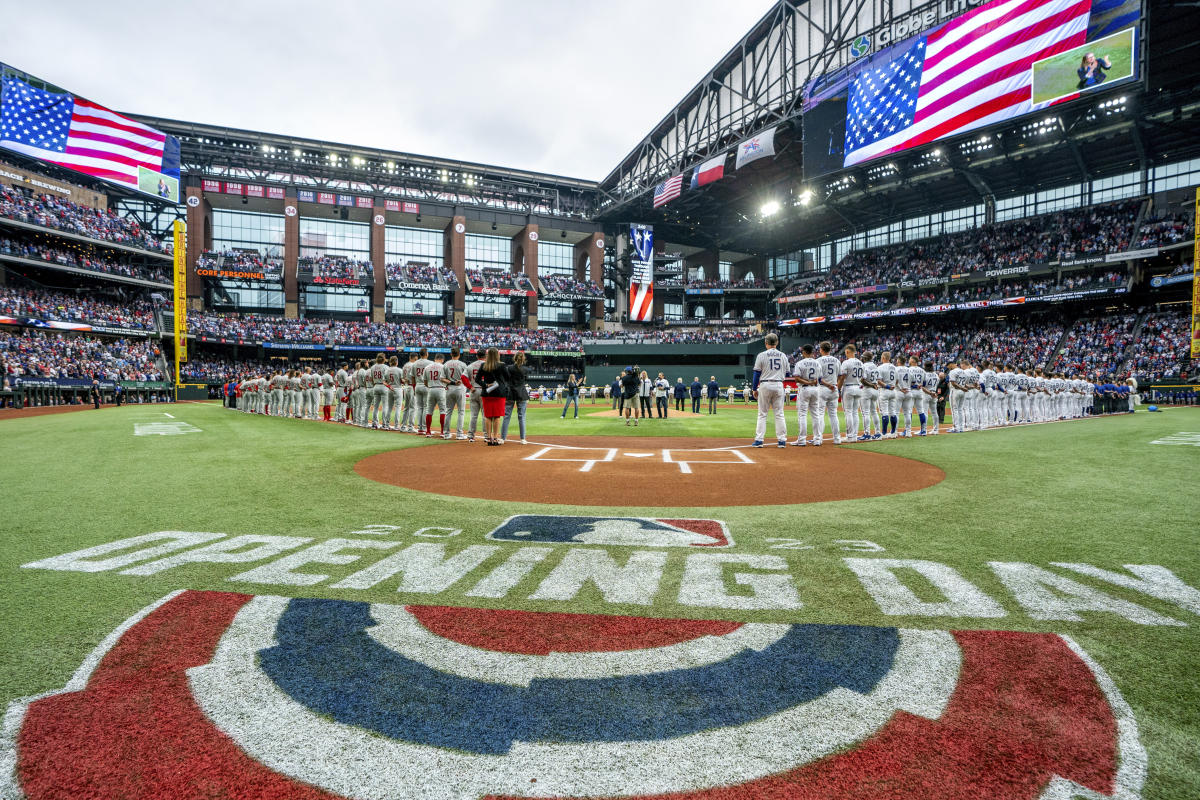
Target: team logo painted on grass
[210,694]
[633,531]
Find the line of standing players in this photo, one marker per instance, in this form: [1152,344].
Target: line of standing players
[378,394]
[877,398]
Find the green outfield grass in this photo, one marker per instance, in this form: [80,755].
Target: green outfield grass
[1095,491]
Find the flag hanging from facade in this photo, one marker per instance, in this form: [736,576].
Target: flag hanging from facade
[641,284]
[708,172]
[668,190]
[975,70]
[71,132]
[755,148]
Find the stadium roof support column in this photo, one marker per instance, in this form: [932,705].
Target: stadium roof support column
[291,255]
[454,256]
[589,265]
[525,259]
[378,262]
[708,261]
[199,239]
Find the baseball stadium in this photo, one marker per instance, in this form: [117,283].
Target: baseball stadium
[339,472]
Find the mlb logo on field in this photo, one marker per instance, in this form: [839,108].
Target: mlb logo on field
[632,531]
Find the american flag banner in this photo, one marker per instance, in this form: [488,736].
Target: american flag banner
[973,71]
[641,283]
[77,134]
[668,190]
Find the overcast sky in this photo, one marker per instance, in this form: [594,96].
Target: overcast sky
[558,86]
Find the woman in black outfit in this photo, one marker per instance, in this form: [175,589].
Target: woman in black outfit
[492,379]
[518,396]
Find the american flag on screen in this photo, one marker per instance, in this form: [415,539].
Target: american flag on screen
[74,133]
[668,190]
[973,71]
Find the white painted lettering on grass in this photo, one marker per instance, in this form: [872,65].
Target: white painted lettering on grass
[636,582]
[1183,437]
[329,551]
[423,567]
[962,598]
[82,560]
[237,550]
[1047,596]
[504,577]
[163,428]
[1158,582]
[703,582]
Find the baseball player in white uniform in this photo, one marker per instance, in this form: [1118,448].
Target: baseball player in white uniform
[456,394]
[770,369]
[869,407]
[888,409]
[476,394]
[850,375]
[929,394]
[903,397]
[914,401]
[805,373]
[958,397]
[974,396]
[827,394]
[435,395]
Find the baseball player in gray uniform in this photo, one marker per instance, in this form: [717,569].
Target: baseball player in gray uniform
[391,408]
[476,393]
[379,390]
[805,373]
[278,381]
[435,395]
[341,380]
[407,393]
[827,394]
[327,392]
[456,393]
[770,368]
[420,390]
[362,388]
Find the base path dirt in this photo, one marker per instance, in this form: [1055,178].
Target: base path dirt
[658,471]
[41,411]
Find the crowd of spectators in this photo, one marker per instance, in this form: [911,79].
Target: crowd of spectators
[1162,347]
[40,354]
[753,283]
[56,212]
[216,369]
[1097,229]
[499,279]
[97,308]
[563,285]
[420,272]
[336,267]
[1160,230]
[1096,346]
[1086,281]
[259,327]
[241,261]
[1019,342]
[681,335]
[27,248]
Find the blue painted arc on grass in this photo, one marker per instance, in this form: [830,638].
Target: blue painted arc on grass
[326,662]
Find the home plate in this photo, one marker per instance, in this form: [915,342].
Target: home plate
[639,455]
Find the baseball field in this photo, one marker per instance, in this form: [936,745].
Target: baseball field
[203,603]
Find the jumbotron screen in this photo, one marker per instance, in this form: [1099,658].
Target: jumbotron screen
[1002,60]
[64,129]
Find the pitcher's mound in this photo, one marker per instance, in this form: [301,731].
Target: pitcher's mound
[648,472]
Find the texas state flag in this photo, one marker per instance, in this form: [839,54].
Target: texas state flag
[708,172]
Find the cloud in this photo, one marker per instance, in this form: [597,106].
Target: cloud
[552,86]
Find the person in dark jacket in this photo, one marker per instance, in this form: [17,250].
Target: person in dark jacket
[714,391]
[697,390]
[492,378]
[630,383]
[680,394]
[614,389]
[572,395]
[95,392]
[518,396]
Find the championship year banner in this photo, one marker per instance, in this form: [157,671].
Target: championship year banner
[180,310]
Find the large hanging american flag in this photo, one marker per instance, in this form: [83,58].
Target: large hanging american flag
[668,190]
[74,133]
[973,71]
